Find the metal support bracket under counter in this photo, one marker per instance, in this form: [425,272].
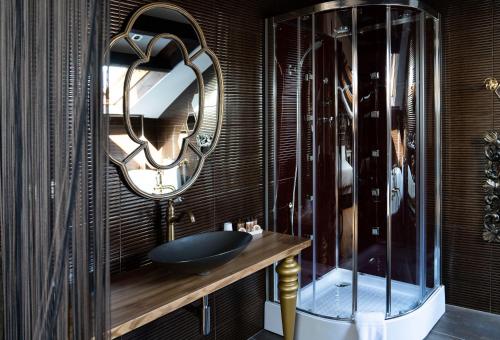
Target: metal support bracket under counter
[146,294]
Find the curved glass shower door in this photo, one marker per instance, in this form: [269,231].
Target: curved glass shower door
[353,164]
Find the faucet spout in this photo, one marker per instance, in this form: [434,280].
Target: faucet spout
[189,213]
[172,219]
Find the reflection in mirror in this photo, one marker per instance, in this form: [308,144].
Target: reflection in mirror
[161,181]
[163,96]
[207,130]
[163,100]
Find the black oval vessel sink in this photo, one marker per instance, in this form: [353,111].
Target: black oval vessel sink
[198,254]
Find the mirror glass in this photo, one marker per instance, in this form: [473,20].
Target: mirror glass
[163,100]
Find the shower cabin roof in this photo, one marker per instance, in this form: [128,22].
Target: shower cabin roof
[343,4]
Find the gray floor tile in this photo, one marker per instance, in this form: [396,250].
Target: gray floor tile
[469,324]
[440,336]
[265,335]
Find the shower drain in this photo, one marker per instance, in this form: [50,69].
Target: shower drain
[343,284]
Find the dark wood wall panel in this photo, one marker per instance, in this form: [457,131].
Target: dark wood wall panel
[471,266]
[230,185]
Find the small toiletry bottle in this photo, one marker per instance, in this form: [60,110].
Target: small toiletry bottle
[255,222]
[228,226]
[248,226]
[241,224]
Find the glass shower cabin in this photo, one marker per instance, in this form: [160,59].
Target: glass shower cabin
[353,153]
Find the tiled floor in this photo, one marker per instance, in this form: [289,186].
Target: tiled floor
[457,324]
[466,324]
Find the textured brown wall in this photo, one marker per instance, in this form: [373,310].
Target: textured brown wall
[230,185]
[471,267]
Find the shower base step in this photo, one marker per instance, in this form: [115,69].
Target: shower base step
[414,325]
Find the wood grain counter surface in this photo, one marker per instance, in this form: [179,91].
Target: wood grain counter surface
[146,294]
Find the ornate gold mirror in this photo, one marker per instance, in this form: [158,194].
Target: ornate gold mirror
[163,100]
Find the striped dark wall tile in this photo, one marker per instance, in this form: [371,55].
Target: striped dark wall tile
[471,266]
[495,263]
[230,185]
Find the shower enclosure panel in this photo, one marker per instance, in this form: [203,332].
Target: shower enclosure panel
[354,154]
[293,170]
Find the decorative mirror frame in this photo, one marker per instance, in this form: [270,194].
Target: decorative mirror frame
[186,143]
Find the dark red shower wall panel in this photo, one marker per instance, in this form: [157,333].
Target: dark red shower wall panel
[372,134]
[325,85]
[405,144]
[431,156]
[306,112]
[286,121]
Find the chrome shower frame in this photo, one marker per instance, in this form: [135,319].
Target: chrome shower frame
[270,107]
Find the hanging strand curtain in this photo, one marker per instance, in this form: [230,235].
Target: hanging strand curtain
[52,182]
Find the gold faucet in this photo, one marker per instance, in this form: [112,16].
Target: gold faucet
[171,219]
[160,187]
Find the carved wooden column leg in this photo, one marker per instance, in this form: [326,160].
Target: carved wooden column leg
[288,285]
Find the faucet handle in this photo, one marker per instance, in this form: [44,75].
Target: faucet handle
[177,200]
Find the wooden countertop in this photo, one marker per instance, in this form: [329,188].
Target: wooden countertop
[141,296]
